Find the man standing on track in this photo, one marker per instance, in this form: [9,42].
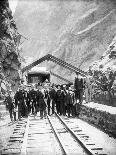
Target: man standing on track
[33,95]
[47,95]
[52,94]
[40,102]
[20,101]
[28,101]
[58,100]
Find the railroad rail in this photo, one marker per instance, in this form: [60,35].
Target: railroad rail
[15,141]
[35,135]
[84,140]
[65,139]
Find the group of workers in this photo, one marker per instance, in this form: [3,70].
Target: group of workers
[65,100]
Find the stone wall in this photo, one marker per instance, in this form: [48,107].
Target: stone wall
[102,119]
[9,42]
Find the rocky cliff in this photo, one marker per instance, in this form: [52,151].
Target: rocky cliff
[107,60]
[9,52]
[78,32]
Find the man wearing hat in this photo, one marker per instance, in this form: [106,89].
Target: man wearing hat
[69,99]
[33,96]
[20,101]
[78,85]
[10,105]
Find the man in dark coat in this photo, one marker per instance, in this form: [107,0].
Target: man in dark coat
[69,101]
[58,100]
[33,96]
[41,103]
[10,105]
[28,101]
[47,96]
[20,100]
[62,105]
[78,85]
[52,94]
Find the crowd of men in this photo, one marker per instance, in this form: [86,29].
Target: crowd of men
[65,100]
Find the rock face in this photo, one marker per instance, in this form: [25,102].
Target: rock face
[78,32]
[9,41]
[108,59]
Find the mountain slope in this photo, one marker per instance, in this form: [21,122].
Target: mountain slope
[78,32]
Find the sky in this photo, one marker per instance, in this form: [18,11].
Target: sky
[13,4]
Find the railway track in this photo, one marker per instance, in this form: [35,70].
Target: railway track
[66,141]
[15,141]
[50,136]
[80,137]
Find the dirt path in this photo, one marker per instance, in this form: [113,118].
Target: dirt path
[6,130]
